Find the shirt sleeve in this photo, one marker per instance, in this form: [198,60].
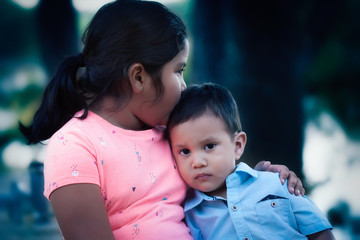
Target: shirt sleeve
[70,159]
[308,216]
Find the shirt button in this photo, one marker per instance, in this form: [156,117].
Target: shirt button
[246,238]
[273,204]
[234,208]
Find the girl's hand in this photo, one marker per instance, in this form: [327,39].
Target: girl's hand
[294,183]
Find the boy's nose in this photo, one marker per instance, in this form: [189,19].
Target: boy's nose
[198,162]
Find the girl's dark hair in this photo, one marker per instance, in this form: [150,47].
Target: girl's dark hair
[211,98]
[121,33]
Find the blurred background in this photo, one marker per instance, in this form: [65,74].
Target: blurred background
[293,67]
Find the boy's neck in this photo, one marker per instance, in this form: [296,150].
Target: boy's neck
[217,193]
[220,192]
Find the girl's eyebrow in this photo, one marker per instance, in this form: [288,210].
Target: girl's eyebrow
[181,65]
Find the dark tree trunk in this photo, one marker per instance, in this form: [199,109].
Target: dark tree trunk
[57,32]
[254,51]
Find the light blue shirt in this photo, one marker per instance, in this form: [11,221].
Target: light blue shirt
[258,206]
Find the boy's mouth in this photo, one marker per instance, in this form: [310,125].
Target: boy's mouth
[202,176]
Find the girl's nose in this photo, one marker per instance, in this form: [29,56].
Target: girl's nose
[183,84]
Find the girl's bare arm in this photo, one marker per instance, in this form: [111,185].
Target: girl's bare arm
[80,212]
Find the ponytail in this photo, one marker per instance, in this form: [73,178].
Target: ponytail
[61,100]
[120,34]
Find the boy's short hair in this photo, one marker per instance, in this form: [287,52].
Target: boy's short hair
[212,98]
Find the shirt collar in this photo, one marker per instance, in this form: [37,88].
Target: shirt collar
[243,168]
[195,197]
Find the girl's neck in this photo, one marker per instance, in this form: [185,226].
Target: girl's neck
[116,114]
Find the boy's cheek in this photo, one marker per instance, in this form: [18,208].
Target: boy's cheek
[182,170]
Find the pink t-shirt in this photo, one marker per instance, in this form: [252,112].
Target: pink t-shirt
[141,187]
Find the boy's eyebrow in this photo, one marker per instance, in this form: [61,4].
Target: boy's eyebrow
[209,139]
[202,141]
[178,146]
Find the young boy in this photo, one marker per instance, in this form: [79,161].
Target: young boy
[228,201]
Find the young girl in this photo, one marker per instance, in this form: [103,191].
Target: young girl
[108,171]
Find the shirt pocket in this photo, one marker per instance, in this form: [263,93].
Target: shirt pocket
[275,217]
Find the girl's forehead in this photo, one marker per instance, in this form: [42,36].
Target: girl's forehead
[180,60]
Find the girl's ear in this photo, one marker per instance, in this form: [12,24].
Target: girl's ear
[137,76]
[240,142]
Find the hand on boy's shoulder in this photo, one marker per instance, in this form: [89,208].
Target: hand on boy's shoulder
[294,183]
[262,166]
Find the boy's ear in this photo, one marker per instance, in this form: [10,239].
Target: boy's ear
[240,142]
[137,76]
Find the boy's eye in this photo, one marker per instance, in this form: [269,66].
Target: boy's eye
[184,152]
[210,146]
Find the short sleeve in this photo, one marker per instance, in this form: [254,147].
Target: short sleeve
[308,216]
[70,159]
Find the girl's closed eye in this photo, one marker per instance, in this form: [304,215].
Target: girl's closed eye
[210,146]
[181,71]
